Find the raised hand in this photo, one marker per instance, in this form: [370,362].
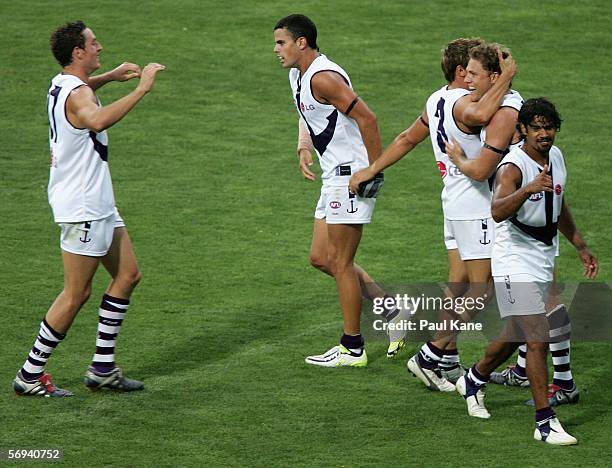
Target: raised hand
[147,76]
[125,71]
[507,65]
[542,183]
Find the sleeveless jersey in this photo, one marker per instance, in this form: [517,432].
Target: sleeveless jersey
[80,187]
[527,242]
[335,136]
[463,198]
[511,99]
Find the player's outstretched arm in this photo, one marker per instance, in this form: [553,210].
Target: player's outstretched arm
[499,135]
[330,87]
[478,113]
[567,226]
[83,110]
[400,147]
[508,197]
[125,71]
[304,150]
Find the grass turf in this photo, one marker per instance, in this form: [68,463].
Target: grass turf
[206,179]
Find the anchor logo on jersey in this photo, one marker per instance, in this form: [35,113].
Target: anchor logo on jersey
[86,228]
[483,226]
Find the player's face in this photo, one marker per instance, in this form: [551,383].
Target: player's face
[286,48]
[539,134]
[478,79]
[90,54]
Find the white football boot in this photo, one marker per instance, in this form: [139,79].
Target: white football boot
[552,432]
[474,398]
[339,356]
[430,378]
[397,336]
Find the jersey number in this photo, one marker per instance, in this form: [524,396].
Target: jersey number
[441,134]
[52,122]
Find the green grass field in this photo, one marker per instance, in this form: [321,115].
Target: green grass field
[206,177]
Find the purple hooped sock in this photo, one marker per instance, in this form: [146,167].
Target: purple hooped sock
[111,314]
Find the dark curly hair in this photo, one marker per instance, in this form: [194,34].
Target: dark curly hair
[457,53]
[64,39]
[539,107]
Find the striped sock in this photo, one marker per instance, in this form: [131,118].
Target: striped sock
[111,315]
[450,359]
[560,332]
[389,313]
[544,415]
[519,368]
[475,377]
[430,355]
[46,341]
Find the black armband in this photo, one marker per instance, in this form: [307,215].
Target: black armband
[351,105]
[493,148]
[423,121]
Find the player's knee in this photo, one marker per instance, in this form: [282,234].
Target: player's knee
[74,299]
[130,279]
[538,347]
[318,261]
[86,294]
[338,267]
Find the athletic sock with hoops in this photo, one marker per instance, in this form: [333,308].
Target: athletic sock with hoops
[519,368]
[450,359]
[430,355]
[560,331]
[111,314]
[46,341]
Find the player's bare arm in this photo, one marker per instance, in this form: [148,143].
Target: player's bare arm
[124,72]
[567,226]
[508,197]
[499,132]
[84,112]
[304,149]
[478,113]
[400,147]
[330,87]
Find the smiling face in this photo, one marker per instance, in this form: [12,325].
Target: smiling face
[539,134]
[478,79]
[89,56]
[287,48]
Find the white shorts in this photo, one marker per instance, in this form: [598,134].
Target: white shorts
[337,205]
[91,238]
[520,294]
[474,237]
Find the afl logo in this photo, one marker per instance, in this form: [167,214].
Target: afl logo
[441,168]
[558,189]
[536,196]
[335,205]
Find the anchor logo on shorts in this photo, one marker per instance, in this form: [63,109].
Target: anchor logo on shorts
[483,226]
[352,209]
[511,300]
[86,227]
